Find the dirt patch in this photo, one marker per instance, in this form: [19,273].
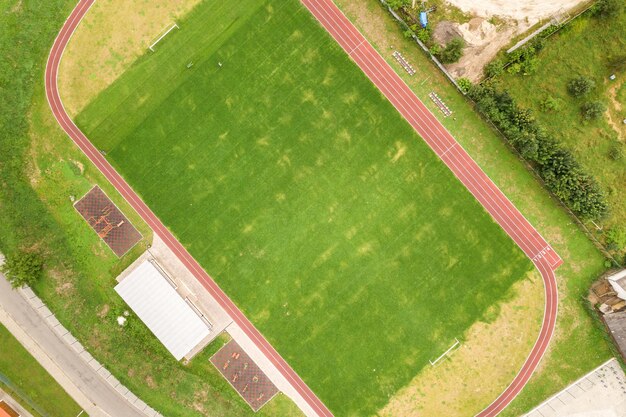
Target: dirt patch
[108,40]
[104,311]
[490,356]
[530,11]
[483,40]
[150,382]
[616,115]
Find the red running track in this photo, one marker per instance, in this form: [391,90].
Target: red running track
[465,169]
[52,93]
[424,122]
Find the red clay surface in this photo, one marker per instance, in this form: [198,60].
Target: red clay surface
[244,375]
[424,122]
[107,221]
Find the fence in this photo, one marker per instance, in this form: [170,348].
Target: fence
[405,26]
[528,165]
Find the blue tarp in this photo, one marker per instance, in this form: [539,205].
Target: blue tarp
[423,19]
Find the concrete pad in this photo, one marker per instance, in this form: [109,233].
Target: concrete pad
[27,292]
[140,404]
[575,391]
[601,393]
[60,330]
[69,339]
[78,347]
[104,373]
[45,312]
[36,302]
[86,356]
[122,389]
[113,381]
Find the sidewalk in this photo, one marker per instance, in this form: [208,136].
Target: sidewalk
[88,386]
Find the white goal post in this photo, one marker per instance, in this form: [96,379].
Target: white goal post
[174,26]
[454,346]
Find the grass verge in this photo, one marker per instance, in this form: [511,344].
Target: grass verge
[29,383]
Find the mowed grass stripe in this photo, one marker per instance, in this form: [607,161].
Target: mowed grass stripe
[301,190]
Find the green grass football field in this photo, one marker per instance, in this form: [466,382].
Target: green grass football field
[306,196]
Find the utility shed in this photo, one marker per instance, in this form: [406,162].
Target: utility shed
[618,282]
[155,301]
[616,323]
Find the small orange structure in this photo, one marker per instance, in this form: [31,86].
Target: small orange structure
[7,411]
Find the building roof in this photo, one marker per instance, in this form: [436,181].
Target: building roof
[618,282]
[155,301]
[7,411]
[616,324]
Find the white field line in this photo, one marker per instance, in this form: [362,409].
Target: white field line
[456,343]
[162,36]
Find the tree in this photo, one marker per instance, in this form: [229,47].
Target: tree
[24,268]
[580,86]
[550,104]
[593,110]
[453,51]
[607,8]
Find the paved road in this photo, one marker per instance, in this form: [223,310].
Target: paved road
[83,384]
[463,167]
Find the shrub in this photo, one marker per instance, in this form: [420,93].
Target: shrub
[616,236]
[464,84]
[396,4]
[557,166]
[494,68]
[24,268]
[435,50]
[580,86]
[550,104]
[593,110]
[607,8]
[452,52]
[616,152]
[514,68]
[424,34]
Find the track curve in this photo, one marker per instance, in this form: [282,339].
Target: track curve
[422,120]
[464,168]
